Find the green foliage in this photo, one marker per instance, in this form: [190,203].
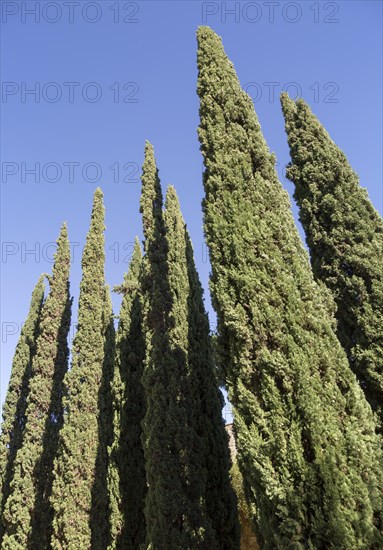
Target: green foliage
[345,237]
[14,410]
[306,439]
[208,403]
[28,514]
[127,480]
[177,507]
[100,507]
[207,458]
[128,449]
[165,427]
[80,439]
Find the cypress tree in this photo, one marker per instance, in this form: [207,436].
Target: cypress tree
[175,510]
[345,238]
[207,399]
[193,453]
[14,410]
[100,507]
[27,513]
[127,480]
[75,466]
[305,434]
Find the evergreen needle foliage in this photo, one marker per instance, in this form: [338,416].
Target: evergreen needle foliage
[345,237]
[28,514]
[14,410]
[80,439]
[167,434]
[100,508]
[175,429]
[220,497]
[184,403]
[305,434]
[127,480]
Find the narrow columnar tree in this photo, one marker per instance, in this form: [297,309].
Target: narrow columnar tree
[305,434]
[213,455]
[100,507]
[175,515]
[75,466]
[27,513]
[187,397]
[345,238]
[127,480]
[165,506]
[14,409]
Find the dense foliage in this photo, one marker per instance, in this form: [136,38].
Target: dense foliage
[127,450]
[127,479]
[178,382]
[27,513]
[14,409]
[345,238]
[305,434]
[207,400]
[80,438]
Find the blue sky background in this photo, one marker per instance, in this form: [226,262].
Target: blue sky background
[331,50]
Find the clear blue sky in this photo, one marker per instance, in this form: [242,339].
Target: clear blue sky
[331,50]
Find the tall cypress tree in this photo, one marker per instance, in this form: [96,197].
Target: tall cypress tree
[305,434]
[27,514]
[14,410]
[213,455]
[175,510]
[100,507]
[345,237]
[75,466]
[127,479]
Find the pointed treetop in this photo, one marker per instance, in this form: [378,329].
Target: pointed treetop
[212,59]
[133,272]
[62,239]
[226,110]
[174,222]
[39,290]
[98,202]
[98,195]
[73,525]
[15,405]
[35,456]
[149,167]
[210,47]
[137,253]
[151,200]
[207,39]
[63,235]
[288,104]
[298,114]
[344,234]
[299,117]
[149,149]
[62,255]
[257,261]
[40,283]
[172,200]
[98,213]
[135,263]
